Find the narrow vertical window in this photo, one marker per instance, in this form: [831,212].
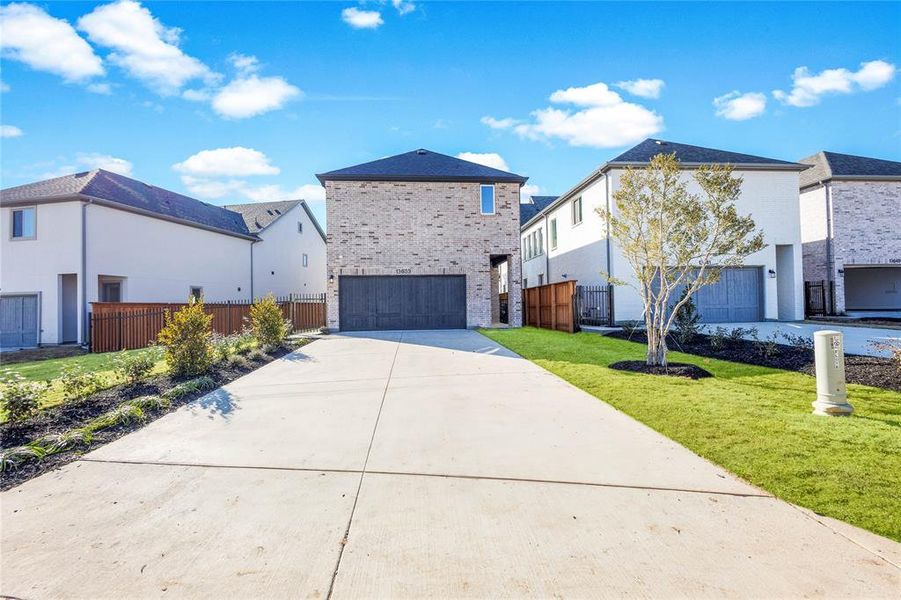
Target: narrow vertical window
[577,210]
[23,225]
[553,234]
[306,260]
[540,241]
[487,192]
[299,227]
[196,292]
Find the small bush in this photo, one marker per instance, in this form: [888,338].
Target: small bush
[77,383]
[893,347]
[737,334]
[135,366]
[11,458]
[124,413]
[799,342]
[268,325]
[187,338]
[718,338]
[199,384]
[687,320]
[257,355]
[236,361]
[150,402]
[767,347]
[20,397]
[632,327]
[59,442]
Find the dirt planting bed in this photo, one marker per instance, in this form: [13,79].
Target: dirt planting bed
[865,370]
[75,415]
[672,369]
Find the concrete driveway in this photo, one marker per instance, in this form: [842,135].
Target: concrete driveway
[416,464]
[857,339]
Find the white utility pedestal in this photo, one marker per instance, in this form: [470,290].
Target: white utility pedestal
[832,397]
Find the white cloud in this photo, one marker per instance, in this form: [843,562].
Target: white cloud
[736,106]
[403,7]
[100,88]
[143,46]
[30,35]
[253,95]
[807,89]
[272,193]
[499,123]
[606,121]
[237,161]
[10,131]
[362,19]
[489,159]
[213,189]
[210,189]
[94,160]
[645,88]
[527,191]
[244,63]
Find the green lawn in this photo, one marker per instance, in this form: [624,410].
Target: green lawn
[754,421]
[45,370]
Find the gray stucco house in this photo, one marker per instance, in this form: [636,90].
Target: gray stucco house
[851,229]
[418,240]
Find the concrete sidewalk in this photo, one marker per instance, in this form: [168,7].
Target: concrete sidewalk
[416,464]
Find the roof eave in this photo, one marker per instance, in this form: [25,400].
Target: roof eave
[696,165]
[832,178]
[422,178]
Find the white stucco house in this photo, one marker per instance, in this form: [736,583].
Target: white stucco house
[851,230]
[101,236]
[564,238]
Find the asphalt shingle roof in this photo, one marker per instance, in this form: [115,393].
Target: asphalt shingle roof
[421,165]
[527,210]
[119,189]
[686,153]
[260,215]
[828,165]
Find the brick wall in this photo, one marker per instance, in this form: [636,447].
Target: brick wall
[423,228]
[865,226]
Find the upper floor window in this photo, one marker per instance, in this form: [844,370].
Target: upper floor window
[577,210]
[487,192]
[23,223]
[553,234]
[196,292]
[540,234]
[306,260]
[299,227]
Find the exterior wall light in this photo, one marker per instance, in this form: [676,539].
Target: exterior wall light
[772,273]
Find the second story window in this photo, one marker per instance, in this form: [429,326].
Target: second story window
[577,210]
[540,234]
[306,260]
[553,234]
[487,196]
[196,293]
[23,225]
[299,227]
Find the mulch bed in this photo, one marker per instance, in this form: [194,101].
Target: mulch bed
[672,369]
[73,415]
[865,370]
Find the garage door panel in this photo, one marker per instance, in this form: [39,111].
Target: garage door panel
[19,321]
[735,298]
[873,288]
[402,302]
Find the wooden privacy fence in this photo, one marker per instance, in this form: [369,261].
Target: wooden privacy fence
[551,306]
[129,325]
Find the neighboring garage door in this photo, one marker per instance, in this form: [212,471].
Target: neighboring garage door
[19,321]
[872,288]
[368,303]
[735,298]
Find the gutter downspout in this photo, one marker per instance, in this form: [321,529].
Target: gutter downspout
[85,315]
[547,251]
[830,259]
[251,270]
[609,246]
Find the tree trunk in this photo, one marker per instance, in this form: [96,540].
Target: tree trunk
[656,349]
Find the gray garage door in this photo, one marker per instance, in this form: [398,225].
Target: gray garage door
[402,302]
[19,321]
[736,297]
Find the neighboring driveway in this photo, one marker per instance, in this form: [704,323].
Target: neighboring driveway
[416,464]
[857,339]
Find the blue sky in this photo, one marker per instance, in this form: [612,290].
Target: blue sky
[241,101]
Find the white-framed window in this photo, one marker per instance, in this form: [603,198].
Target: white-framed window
[110,289]
[23,225]
[540,233]
[306,260]
[299,227]
[487,198]
[196,292]
[577,210]
[553,234]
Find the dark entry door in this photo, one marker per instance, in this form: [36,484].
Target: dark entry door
[376,302]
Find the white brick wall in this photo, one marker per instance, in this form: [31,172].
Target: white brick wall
[423,228]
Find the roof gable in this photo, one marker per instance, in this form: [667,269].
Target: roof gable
[421,165]
[685,153]
[536,204]
[260,215]
[115,189]
[829,165]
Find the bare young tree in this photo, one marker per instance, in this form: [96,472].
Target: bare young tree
[675,239]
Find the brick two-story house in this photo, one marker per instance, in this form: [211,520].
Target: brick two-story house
[851,229]
[415,241]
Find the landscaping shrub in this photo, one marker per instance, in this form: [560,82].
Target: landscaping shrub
[57,442]
[77,383]
[632,327]
[236,361]
[135,366]
[199,384]
[20,397]
[737,334]
[767,347]
[124,413]
[150,402]
[718,338]
[10,458]
[687,321]
[800,342]
[891,346]
[268,325]
[257,355]
[187,338]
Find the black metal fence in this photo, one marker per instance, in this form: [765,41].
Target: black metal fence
[594,305]
[819,298]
